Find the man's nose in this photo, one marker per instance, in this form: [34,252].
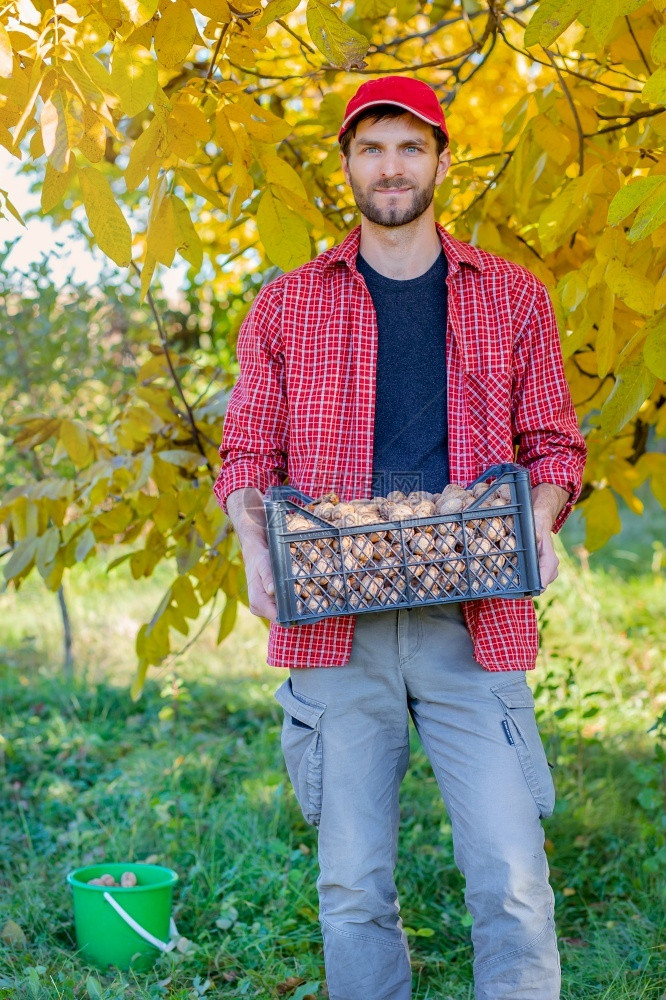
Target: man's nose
[392,165]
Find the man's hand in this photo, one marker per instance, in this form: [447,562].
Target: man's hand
[260,588]
[548,561]
[246,510]
[547,501]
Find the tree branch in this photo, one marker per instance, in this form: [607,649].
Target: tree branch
[631,119]
[174,375]
[637,44]
[574,112]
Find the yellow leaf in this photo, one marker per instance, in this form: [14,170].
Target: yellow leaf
[550,138]
[227,619]
[605,339]
[603,16]
[275,9]
[175,34]
[11,208]
[139,11]
[6,54]
[633,385]
[338,43]
[260,123]
[198,186]
[61,123]
[161,236]
[146,150]
[216,10]
[74,438]
[631,286]
[654,466]
[84,545]
[133,77]
[552,17]
[654,349]
[185,598]
[629,197]
[373,10]
[602,519]
[188,243]
[46,551]
[55,185]
[654,90]
[105,218]
[650,215]
[20,559]
[283,234]
[147,272]
[13,935]
[93,140]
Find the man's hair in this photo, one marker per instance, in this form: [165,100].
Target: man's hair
[379,113]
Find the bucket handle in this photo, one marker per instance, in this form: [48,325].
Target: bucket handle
[141,931]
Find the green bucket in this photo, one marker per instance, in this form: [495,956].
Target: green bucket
[125,927]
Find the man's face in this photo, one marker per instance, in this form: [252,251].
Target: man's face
[392,168]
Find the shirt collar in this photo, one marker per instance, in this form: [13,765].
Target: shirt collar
[457,253]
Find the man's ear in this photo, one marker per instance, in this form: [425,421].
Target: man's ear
[344,163]
[443,165]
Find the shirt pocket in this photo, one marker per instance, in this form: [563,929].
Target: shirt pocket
[302,748]
[488,393]
[522,732]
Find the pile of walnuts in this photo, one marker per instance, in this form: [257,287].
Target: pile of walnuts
[378,562]
[127,881]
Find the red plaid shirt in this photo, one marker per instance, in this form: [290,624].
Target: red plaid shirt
[304,405]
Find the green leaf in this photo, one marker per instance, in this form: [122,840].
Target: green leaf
[133,77]
[630,197]
[654,349]
[602,519]
[105,218]
[552,17]
[283,233]
[338,43]
[61,122]
[632,387]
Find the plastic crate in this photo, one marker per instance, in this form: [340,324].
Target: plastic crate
[327,571]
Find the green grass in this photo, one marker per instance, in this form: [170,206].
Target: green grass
[192,776]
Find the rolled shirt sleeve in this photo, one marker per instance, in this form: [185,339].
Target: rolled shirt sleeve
[255,439]
[549,442]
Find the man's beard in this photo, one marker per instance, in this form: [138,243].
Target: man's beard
[393,215]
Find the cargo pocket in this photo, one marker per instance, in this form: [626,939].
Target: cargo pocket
[302,748]
[520,730]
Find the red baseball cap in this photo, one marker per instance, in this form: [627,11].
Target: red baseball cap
[403,91]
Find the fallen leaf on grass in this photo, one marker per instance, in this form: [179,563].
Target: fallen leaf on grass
[13,935]
[289,985]
[575,942]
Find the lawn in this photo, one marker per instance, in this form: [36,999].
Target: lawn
[191,776]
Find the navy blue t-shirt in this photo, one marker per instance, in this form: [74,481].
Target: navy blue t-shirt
[410,435]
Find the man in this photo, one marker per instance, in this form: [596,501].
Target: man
[405,354]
